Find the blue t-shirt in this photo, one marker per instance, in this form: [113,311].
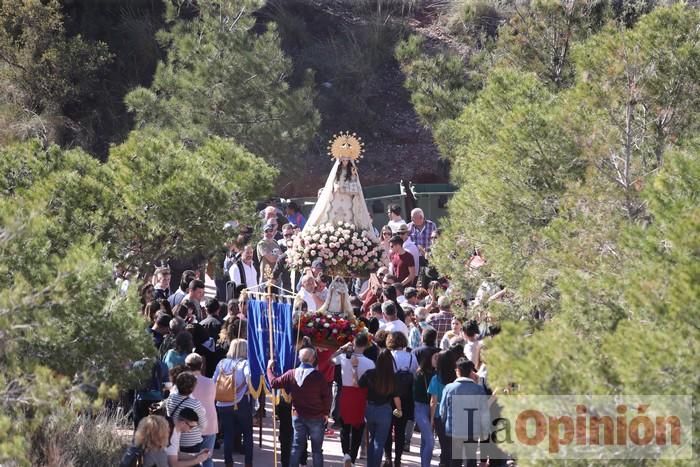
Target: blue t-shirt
[173,359]
[435,388]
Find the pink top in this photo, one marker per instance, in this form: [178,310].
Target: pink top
[205,391]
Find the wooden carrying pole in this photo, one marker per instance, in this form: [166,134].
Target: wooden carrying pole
[272,356]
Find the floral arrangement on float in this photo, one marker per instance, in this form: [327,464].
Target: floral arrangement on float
[327,330]
[343,248]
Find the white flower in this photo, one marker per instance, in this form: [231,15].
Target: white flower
[326,325]
[342,240]
[310,324]
[333,238]
[335,331]
[318,320]
[334,262]
[312,253]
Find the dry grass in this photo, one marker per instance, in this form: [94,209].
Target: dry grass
[86,440]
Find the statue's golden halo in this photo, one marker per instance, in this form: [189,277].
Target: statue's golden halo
[346,145]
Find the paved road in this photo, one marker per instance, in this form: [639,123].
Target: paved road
[332,453]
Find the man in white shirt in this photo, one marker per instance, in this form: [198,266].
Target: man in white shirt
[395,219]
[356,348]
[393,323]
[408,245]
[243,272]
[353,364]
[186,420]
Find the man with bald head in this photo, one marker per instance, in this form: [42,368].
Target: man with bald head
[311,403]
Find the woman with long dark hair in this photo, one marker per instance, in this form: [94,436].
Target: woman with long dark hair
[421,399]
[146,295]
[444,375]
[405,366]
[381,391]
[183,346]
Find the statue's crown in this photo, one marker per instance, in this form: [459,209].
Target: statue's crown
[346,145]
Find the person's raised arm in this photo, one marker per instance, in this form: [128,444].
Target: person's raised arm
[276,382]
[341,350]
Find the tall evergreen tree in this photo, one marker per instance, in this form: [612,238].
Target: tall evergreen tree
[512,160]
[224,77]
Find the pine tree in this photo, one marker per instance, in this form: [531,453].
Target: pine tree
[512,160]
[175,200]
[224,78]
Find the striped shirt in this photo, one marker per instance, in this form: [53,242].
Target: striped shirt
[194,436]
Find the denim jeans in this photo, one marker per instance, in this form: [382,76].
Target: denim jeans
[427,441]
[378,418]
[313,428]
[208,443]
[234,422]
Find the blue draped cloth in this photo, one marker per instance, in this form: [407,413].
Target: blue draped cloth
[259,341]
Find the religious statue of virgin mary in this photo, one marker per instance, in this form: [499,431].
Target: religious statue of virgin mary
[341,198]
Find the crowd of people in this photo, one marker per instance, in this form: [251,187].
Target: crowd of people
[398,378]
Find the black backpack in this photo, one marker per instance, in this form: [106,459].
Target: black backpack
[133,457]
[404,380]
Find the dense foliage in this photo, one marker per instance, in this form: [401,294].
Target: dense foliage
[222,79]
[67,335]
[577,163]
[571,129]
